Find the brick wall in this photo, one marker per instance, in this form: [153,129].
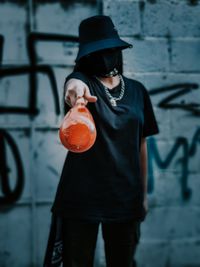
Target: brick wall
[165,56]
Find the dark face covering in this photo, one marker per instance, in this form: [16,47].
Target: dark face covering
[104,63]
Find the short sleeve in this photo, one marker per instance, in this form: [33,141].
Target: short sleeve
[150,126]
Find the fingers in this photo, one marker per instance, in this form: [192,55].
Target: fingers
[68,101]
[78,93]
[81,100]
[70,97]
[75,97]
[88,96]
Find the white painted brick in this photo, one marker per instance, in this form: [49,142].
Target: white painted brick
[16,236]
[185,55]
[145,55]
[15,92]
[2,101]
[152,254]
[56,53]
[45,102]
[167,189]
[194,157]
[175,18]
[48,146]
[61,20]
[186,253]
[166,224]
[125,16]
[12,27]
[156,18]
[183,125]
[194,184]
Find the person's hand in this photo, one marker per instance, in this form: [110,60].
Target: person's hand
[77,91]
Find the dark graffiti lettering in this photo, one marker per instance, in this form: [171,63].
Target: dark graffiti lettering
[10,195]
[33,38]
[182,88]
[188,151]
[31,109]
[181,142]
[32,70]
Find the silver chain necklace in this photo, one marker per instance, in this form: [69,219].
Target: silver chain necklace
[113,100]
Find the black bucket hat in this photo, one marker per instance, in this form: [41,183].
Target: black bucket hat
[98,33]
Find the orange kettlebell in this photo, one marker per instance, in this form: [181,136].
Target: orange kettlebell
[78,132]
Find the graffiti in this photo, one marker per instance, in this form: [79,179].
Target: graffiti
[32,40]
[10,195]
[182,89]
[33,69]
[181,143]
[32,106]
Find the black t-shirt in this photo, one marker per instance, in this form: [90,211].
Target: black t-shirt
[104,183]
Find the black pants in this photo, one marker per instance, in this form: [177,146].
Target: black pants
[79,242]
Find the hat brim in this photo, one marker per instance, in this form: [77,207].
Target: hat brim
[86,49]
